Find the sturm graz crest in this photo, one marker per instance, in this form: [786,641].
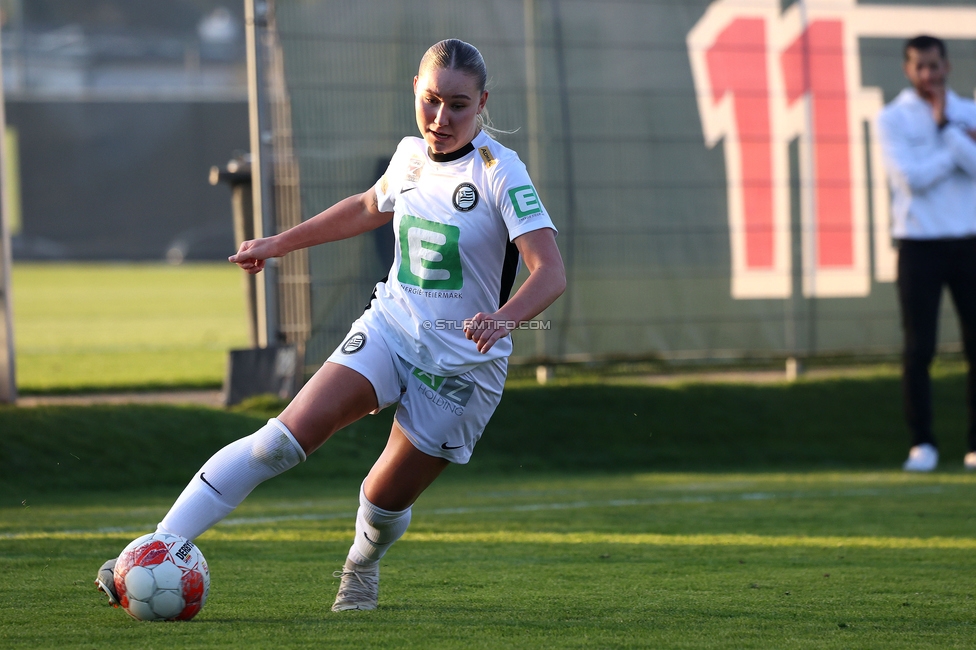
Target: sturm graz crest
[354,343]
[465,197]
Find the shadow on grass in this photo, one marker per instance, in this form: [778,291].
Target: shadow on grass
[589,427]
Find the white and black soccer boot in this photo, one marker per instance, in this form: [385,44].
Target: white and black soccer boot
[359,588]
[105,581]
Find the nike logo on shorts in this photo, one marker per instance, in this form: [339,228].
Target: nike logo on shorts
[446,448]
[210,484]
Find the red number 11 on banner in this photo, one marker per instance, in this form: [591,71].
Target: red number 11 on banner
[764,78]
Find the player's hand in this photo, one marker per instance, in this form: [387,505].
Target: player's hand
[486,329]
[252,255]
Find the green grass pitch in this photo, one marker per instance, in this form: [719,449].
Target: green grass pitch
[818,560]
[593,515]
[125,326]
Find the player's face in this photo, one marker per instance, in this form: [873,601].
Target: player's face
[926,70]
[448,103]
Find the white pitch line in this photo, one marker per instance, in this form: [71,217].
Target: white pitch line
[534,507]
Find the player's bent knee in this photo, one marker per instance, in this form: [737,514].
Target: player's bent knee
[274,446]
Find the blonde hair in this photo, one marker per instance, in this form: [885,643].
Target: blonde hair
[455,54]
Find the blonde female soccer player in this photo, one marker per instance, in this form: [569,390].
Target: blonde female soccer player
[435,338]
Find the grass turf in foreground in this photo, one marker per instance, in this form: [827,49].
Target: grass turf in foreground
[558,534]
[818,560]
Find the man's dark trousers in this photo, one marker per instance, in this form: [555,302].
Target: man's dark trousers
[924,267]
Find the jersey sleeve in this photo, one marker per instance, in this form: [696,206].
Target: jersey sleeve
[517,199]
[388,186]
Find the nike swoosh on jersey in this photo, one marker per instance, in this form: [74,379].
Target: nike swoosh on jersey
[446,448]
[407,189]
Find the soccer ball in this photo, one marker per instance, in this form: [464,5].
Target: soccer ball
[162,577]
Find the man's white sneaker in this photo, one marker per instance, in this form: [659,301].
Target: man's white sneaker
[359,588]
[922,458]
[969,461]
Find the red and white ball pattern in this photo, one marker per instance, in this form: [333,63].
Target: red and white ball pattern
[162,577]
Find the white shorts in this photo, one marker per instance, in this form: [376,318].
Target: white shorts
[441,416]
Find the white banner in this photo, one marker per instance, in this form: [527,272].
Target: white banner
[764,77]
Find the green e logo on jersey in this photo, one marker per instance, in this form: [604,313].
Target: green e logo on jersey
[525,201]
[430,257]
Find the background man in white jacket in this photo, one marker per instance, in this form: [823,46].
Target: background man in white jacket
[928,134]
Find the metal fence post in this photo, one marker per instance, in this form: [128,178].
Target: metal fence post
[262,177]
[8,382]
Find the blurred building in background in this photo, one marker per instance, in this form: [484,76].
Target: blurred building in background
[116,110]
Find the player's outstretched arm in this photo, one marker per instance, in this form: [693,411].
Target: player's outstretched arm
[546,282]
[347,218]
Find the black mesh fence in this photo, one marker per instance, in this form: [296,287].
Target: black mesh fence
[711,166]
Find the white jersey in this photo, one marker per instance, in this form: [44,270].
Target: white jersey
[454,220]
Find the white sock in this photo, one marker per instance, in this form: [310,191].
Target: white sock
[229,476]
[376,530]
